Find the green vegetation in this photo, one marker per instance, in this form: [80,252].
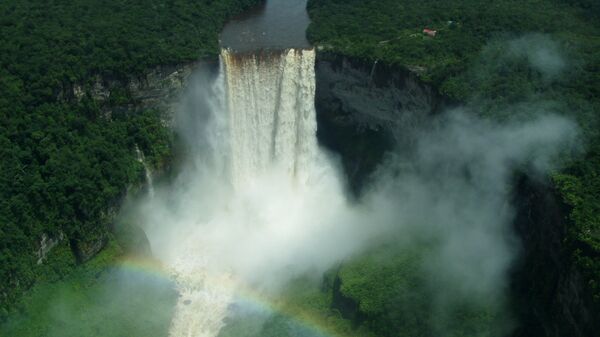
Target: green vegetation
[301,309]
[383,292]
[100,298]
[391,31]
[68,159]
[396,297]
[480,58]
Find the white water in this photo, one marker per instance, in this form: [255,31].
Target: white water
[271,113]
[251,215]
[260,203]
[147,172]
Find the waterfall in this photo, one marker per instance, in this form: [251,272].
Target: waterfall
[270,97]
[373,70]
[270,132]
[147,172]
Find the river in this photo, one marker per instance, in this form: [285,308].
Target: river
[275,24]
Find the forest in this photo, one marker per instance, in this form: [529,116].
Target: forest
[67,161]
[476,60]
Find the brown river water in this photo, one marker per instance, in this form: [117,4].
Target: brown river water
[275,24]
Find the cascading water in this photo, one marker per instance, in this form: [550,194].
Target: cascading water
[260,204]
[148,173]
[271,112]
[275,175]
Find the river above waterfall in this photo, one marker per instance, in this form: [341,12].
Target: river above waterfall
[275,24]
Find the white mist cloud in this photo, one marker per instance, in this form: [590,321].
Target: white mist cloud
[451,200]
[454,190]
[451,193]
[542,52]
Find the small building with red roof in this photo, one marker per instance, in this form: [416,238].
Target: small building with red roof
[430,32]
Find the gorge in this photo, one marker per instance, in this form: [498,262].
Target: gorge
[261,204]
[312,193]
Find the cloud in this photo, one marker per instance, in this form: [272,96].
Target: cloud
[455,190]
[542,52]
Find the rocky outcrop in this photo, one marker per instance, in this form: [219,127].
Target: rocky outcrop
[133,240]
[364,109]
[86,248]
[158,89]
[549,292]
[373,95]
[46,245]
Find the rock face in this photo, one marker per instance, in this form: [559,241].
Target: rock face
[374,95]
[160,88]
[348,307]
[363,109]
[46,245]
[157,89]
[550,296]
[366,109]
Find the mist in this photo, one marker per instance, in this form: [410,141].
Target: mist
[449,197]
[541,51]
[270,229]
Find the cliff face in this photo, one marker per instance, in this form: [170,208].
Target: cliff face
[364,109]
[158,89]
[549,293]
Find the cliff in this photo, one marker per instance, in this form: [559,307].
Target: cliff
[550,295]
[364,110]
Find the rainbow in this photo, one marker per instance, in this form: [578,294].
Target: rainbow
[317,324]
